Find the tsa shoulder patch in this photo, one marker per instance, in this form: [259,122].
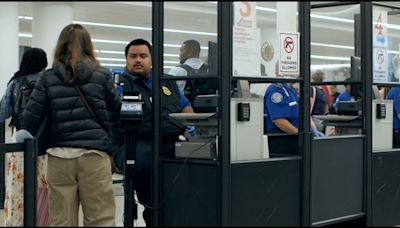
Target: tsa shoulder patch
[276,98]
[166,91]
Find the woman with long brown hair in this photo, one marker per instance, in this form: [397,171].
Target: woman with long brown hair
[80,99]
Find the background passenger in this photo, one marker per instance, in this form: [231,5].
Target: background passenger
[190,57]
[320,108]
[345,95]
[333,94]
[79,153]
[33,63]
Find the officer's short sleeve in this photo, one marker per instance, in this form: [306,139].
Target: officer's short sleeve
[276,105]
[396,102]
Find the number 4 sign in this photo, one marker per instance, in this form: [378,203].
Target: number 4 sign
[380,28]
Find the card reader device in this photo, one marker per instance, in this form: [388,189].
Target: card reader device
[131,119]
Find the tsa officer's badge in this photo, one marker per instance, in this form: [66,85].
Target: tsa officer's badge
[276,97]
[166,91]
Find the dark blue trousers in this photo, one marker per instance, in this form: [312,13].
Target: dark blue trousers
[144,158]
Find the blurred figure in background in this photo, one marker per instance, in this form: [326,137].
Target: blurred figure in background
[33,63]
[333,94]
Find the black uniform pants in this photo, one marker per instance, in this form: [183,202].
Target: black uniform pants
[143,175]
[396,138]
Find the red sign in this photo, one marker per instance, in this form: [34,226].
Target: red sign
[288,44]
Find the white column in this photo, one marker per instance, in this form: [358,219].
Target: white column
[49,18]
[9,51]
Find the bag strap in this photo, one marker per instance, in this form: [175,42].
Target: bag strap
[87,104]
[313,98]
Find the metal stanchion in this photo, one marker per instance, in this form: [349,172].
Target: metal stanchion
[30,156]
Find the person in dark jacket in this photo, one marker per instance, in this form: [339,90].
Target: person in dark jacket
[80,147]
[138,77]
[33,63]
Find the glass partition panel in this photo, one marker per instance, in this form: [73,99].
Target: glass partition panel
[333,41]
[190,36]
[191,61]
[265,40]
[386,77]
[336,68]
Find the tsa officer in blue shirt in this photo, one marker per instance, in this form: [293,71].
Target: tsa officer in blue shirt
[394,94]
[281,109]
[344,96]
[138,77]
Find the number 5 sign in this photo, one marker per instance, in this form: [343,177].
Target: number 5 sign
[380,28]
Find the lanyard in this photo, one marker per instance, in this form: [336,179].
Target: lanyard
[292,103]
[286,92]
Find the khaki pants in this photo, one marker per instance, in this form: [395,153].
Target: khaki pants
[86,180]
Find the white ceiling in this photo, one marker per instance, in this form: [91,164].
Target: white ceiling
[202,17]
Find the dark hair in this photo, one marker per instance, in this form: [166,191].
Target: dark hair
[34,60]
[74,44]
[137,42]
[193,45]
[346,82]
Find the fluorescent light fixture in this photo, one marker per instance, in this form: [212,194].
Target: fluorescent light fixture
[191,32]
[332,45]
[113,25]
[145,28]
[393,52]
[172,62]
[112,64]
[332,18]
[109,41]
[123,53]
[178,46]
[25,35]
[266,9]
[110,52]
[126,42]
[171,55]
[330,57]
[25,18]
[123,65]
[111,59]
[328,66]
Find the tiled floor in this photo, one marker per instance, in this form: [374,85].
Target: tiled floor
[119,201]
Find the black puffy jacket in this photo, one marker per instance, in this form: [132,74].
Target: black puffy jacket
[70,123]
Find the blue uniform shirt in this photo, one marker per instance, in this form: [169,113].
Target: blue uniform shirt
[184,102]
[394,94]
[280,101]
[345,96]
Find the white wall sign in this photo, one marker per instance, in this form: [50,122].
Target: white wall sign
[289,53]
[245,14]
[380,64]
[246,40]
[380,28]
